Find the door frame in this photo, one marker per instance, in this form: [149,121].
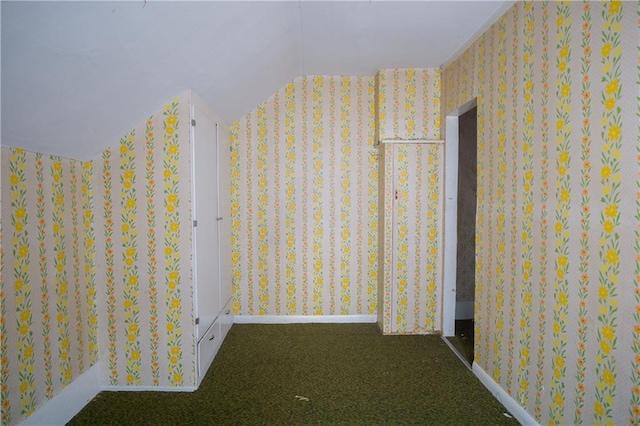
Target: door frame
[451,217]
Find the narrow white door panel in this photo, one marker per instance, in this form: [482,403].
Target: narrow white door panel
[224,212]
[205,214]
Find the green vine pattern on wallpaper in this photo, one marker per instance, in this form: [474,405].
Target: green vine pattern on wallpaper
[147,274]
[49,332]
[5,416]
[22,281]
[152,250]
[544,75]
[585,214]
[527,207]
[610,215]
[416,265]
[298,197]
[172,250]
[544,209]
[634,409]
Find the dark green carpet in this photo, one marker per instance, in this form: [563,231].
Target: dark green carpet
[350,373]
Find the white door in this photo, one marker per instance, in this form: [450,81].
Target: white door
[224,213]
[205,231]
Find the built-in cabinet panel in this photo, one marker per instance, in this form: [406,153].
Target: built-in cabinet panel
[208,348]
[224,212]
[205,213]
[226,319]
[211,231]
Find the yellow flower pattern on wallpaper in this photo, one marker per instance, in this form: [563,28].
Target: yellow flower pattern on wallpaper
[318,205]
[5,404]
[317,191]
[61,274]
[408,105]
[609,274]
[500,217]
[553,71]
[634,403]
[513,247]
[399,289]
[144,228]
[480,202]
[109,266]
[89,242]
[152,250]
[172,246]
[585,215]
[562,213]
[44,291]
[235,214]
[261,224]
[128,214]
[50,312]
[544,207]
[410,278]
[22,283]
[43,268]
[290,203]
[527,207]
[277,275]
[366,90]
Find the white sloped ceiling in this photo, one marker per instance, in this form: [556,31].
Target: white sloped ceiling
[76,76]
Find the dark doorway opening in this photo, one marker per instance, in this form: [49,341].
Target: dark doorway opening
[466,241]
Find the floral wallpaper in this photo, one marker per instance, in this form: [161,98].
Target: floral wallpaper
[143,223]
[408,103]
[304,201]
[49,307]
[557,271]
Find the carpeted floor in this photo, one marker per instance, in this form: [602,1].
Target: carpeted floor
[350,374]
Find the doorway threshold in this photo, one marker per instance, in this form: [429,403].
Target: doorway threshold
[458,354]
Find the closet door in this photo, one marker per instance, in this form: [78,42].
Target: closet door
[224,213]
[415,295]
[205,214]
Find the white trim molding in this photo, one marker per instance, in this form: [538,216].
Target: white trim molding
[426,141]
[304,319]
[451,217]
[503,397]
[147,389]
[60,409]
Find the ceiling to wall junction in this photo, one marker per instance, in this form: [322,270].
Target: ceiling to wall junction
[76,76]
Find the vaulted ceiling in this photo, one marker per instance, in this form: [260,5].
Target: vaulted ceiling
[76,76]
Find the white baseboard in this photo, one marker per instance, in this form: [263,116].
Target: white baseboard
[303,319]
[147,389]
[69,401]
[503,397]
[464,310]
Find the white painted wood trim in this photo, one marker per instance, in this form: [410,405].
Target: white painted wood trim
[427,141]
[450,227]
[456,352]
[147,389]
[503,397]
[69,401]
[304,319]
[451,216]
